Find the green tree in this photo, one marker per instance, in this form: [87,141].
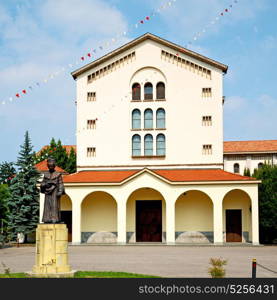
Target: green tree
[267,202]
[246,172]
[23,203]
[58,152]
[4,212]
[7,172]
[71,162]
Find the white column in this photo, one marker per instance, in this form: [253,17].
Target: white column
[76,222]
[218,220]
[255,217]
[170,223]
[121,222]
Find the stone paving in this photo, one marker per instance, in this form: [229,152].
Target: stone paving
[165,261]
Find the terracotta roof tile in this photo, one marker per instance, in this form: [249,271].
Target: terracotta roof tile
[42,167]
[99,176]
[176,175]
[250,146]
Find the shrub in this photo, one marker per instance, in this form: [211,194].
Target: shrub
[216,270]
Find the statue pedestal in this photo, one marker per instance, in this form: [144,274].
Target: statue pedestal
[51,251]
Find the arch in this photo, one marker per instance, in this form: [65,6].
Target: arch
[237,223]
[136,145]
[160,144]
[148,91]
[136,119]
[160,118]
[236,168]
[152,69]
[194,217]
[148,144]
[145,196]
[148,119]
[99,218]
[160,90]
[136,91]
[260,165]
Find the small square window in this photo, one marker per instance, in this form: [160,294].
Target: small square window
[91,124]
[91,152]
[207,121]
[206,92]
[207,149]
[91,96]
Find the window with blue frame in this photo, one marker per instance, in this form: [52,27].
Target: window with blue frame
[148,144]
[148,119]
[136,116]
[136,145]
[160,118]
[160,144]
[148,91]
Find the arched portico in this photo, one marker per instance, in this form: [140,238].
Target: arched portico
[145,216]
[99,218]
[237,223]
[194,217]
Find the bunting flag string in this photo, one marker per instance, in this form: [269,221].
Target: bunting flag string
[90,54]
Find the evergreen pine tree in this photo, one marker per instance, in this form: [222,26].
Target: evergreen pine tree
[60,155]
[4,212]
[23,203]
[7,172]
[247,172]
[71,162]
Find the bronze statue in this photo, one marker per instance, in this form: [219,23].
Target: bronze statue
[53,188]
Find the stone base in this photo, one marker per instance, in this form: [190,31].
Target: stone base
[52,275]
[51,251]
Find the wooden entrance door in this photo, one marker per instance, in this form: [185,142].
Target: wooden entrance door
[149,221]
[66,217]
[233,225]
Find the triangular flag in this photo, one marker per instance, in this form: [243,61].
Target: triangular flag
[17,95]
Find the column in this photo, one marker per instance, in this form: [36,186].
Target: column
[255,217]
[170,223]
[76,222]
[121,222]
[218,220]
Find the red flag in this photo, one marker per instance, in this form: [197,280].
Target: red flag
[17,95]
[24,91]
[141,21]
[89,55]
[82,58]
[147,18]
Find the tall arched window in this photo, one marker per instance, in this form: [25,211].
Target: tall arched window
[160,118]
[148,144]
[160,90]
[136,145]
[260,165]
[236,168]
[136,119]
[148,91]
[136,91]
[160,144]
[148,118]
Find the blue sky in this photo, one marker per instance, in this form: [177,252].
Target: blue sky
[40,37]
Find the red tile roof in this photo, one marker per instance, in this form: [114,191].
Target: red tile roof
[176,175]
[250,146]
[99,176]
[42,167]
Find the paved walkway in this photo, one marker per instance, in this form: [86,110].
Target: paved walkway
[165,261]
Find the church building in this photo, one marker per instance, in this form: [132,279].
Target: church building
[150,163]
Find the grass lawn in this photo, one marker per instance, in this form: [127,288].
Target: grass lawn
[88,274]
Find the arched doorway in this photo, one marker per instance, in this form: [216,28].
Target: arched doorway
[237,216]
[194,218]
[66,214]
[99,218]
[145,216]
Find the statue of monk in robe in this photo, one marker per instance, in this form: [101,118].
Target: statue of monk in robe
[53,188]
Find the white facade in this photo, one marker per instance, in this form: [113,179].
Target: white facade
[118,185]
[184,108]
